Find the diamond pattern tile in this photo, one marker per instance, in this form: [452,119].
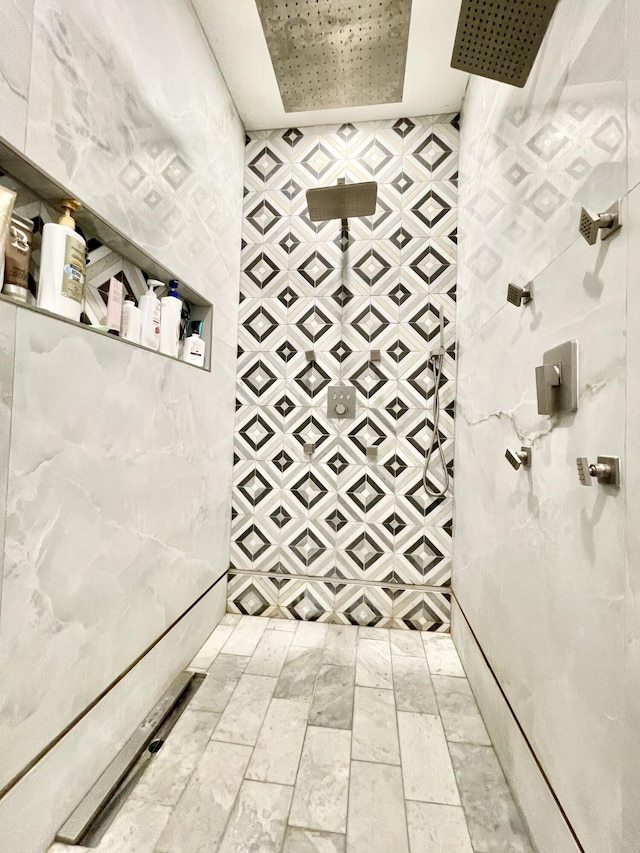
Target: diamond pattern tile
[335,535]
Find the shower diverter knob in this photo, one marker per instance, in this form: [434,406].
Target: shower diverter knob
[340,408]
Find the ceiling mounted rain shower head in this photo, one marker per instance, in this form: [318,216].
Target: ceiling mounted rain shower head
[342,201]
[500,39]
[337,53]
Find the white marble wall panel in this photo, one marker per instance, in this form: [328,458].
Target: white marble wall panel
[7,349]
[117,516]
[545,821]
[129,110]
[533,157]
[539,560]
[633,89]
[35,808]
[16,24]
[631,769]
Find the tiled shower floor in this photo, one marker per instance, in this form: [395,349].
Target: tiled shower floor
[315,738]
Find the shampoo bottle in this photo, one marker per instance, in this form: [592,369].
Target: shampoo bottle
[194,346]
[170,320]
[62,265]
[150,319]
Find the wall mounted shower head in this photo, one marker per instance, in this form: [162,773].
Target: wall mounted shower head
[608,223]
[519,295]
[519,458]
[342,201]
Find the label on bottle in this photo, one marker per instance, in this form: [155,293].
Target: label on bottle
[156,320]
[73,273]
[18,253]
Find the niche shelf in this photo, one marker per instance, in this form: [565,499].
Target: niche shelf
[111,254]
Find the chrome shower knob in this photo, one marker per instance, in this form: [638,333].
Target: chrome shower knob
[519,295]
[519,458]
[607,222]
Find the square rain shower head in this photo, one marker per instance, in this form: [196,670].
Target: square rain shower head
[342,201]
[500,39]
[337,53]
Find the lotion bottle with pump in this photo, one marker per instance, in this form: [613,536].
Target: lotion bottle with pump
[150,320]
[170,320]
[62,265]
[194,346]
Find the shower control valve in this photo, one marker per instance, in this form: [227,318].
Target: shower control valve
[519,458]
[341,401]
[606,471]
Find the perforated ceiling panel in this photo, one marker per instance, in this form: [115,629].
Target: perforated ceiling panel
[337,53]
[500,39]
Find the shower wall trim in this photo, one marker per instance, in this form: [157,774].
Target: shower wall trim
[347,581]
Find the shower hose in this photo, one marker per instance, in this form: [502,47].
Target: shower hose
[435,363]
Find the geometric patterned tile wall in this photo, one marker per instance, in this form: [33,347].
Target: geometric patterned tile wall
[331,536]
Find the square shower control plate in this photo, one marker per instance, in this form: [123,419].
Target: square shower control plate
[341,401]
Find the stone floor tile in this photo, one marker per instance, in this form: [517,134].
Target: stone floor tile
[442,656]
[332,704]
[494,821]
[198,822]
[373,664]
[412,685]
[259,819]
[377,821]
[322,787]
[246,636]
[299,673]
[460,715]
[435,828]
[270,654]
[375,731]
[311,841]
[426,766]
[243,717]
[340,649]
[277,751]
[218,686]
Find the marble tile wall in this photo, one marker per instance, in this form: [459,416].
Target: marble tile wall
[332,536]
[16,23]
[539,559]
[119,465]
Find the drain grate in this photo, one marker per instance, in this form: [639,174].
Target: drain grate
[94,815]
[500,39]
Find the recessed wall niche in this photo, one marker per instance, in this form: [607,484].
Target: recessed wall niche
[109,254]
